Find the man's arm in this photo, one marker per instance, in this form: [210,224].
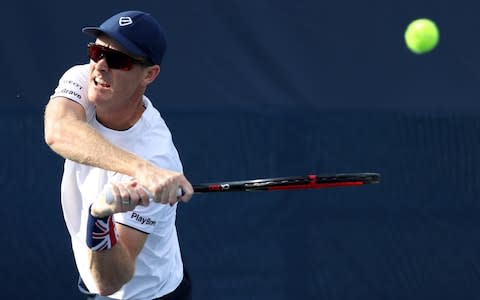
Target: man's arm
[68,134]
[112,268]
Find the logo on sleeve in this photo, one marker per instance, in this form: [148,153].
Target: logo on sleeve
[142,220]
[68,92]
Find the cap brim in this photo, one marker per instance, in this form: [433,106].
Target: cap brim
[95,31]
[131,48]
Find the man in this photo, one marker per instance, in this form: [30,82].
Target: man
[122,175]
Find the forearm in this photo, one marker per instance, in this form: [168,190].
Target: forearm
[77,141]
[114,247]
[111,268]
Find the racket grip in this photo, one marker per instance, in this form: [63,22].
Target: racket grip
[107,193]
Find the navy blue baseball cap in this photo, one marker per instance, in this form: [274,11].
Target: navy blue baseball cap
[138,32]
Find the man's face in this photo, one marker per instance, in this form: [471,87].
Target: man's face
[114,88]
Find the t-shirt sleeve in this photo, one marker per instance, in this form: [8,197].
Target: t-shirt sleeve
[73,85]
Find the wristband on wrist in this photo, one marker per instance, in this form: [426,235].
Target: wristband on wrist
[101,232]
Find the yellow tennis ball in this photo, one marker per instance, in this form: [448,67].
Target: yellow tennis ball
[422,36]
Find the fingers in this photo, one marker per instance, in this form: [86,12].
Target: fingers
[185,192]
[172,196]
[144,197]
[119,197]
[175,188]
[125,196]
[164,184]
[167,195]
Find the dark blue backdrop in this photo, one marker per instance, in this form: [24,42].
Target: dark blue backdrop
[272,88]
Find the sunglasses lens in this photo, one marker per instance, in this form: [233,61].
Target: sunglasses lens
[115,59]
[94,52]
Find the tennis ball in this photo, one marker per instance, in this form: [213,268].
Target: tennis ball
[421,36]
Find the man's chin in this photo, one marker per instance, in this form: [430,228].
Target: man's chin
[98,97]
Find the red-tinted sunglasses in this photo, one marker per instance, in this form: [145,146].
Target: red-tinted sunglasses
[115,59]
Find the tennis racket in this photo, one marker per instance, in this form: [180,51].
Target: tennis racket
[290,183]
[279,183]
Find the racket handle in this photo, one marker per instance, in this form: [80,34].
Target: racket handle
[107,193]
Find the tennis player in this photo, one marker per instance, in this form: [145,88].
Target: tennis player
[119,153]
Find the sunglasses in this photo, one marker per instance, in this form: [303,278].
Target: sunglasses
[115,59]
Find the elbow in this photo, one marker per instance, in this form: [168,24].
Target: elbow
[50,133]
[49,128]
[60,115]
[53,134]
[49,138]
[107,290]
[107,287]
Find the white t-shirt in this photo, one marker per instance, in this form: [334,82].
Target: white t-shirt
[158,268]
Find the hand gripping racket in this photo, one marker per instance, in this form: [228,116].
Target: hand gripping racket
[290,183]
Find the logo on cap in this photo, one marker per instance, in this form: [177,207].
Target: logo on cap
[124,21]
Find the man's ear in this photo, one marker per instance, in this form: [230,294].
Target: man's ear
[151,73]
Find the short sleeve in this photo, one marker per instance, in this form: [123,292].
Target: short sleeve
[148,219]
[73,85]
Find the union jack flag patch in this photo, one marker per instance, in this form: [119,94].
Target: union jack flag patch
[101,232]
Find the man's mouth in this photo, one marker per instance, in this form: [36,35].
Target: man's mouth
[100,82]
